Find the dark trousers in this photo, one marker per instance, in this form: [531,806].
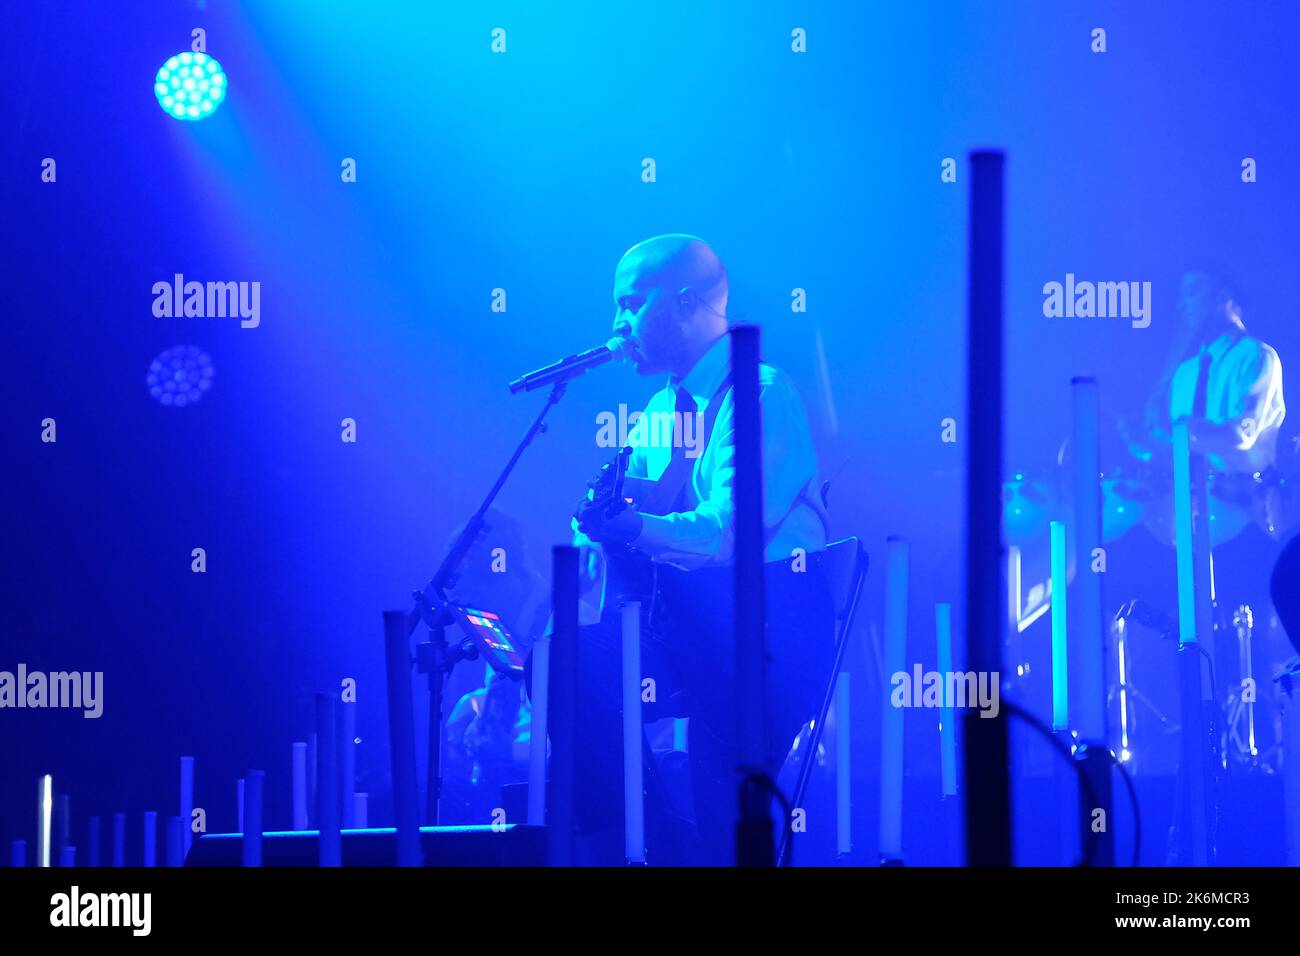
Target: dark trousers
[688,649]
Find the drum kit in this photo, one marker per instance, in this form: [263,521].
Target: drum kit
[1139,491]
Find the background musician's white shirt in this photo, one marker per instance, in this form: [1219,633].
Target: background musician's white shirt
[1245,386]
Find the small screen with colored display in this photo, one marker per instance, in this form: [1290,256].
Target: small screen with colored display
[489,632]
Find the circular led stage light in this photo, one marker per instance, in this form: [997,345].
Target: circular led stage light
[180,376]
[190,86]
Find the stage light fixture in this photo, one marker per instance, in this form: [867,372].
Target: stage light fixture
[180,376]
[190,86]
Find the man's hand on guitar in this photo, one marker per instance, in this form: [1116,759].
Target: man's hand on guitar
[597,523]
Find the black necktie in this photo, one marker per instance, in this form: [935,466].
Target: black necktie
[670,490]
[685,407]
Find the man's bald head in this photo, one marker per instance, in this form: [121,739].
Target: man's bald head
[677,263]
[670,297]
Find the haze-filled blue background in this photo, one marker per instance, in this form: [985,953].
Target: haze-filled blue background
[522,171]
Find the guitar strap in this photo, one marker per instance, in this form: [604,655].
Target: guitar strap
[668,492]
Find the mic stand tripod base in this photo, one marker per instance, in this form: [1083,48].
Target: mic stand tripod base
[436,658]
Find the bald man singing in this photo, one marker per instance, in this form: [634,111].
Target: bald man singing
[670,296]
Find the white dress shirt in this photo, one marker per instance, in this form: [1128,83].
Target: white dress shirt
[1244,388]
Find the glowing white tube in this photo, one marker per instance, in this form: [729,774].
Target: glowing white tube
[947,719]
[300,786]
[1014,597]
[312,808]
[187,802]
[537,733]
[891,741]
[44,811]
[1086,637]
[349,761]
[1120,631]
[1183,535]
[1060,647]
[633,795]
[360,810]
[843,767]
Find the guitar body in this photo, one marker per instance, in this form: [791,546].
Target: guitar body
[696,606]
[629,574]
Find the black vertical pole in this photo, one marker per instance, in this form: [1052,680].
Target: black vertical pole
[150,838]
[329,786]
[1087,648]
[754,833]
[92,843]
[988,793]
[562,704]
[175,842]
[401,735]
[1198,721]
[62,827]
[119,839]
[437,653]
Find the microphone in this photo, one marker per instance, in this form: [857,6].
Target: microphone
[570,367]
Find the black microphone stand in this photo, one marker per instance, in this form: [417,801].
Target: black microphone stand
[434,656]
